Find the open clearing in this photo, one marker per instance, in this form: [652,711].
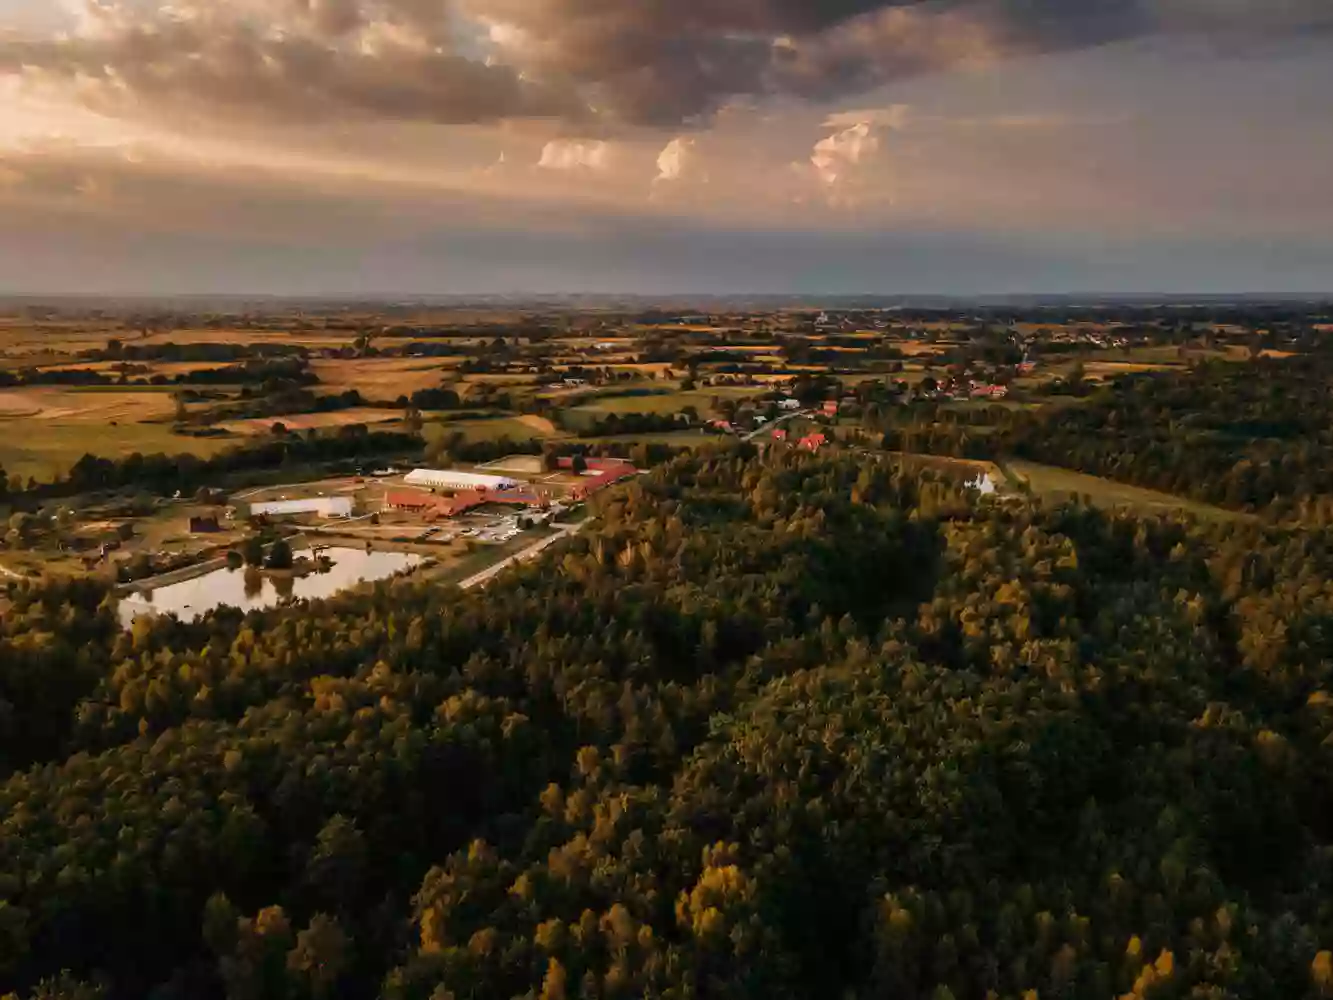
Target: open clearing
[950,466]
[45,431]
[379,378]
[485,430]
[310,421]
[517,465]
[81,407]
[670,402]
[678,439]
[539,425]
[1059,484]
[53,452]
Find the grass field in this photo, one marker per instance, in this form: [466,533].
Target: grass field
[952,466]
[1059,484]
[670,402]
[514,428]
[309,421]
[681,439]
[60,444]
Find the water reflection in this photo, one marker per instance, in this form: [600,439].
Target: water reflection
[251,590]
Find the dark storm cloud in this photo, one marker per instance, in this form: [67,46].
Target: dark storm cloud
[303,67]
[641,62]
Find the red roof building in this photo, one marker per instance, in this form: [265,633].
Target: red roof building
[813,442]
[779,435]
[434,506]
[831,408]
[601,473]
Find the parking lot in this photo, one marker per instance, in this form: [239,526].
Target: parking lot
[490,530]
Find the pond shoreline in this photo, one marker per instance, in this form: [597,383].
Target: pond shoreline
[201,589]
[188,573]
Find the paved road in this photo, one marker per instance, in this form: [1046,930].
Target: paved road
[768,427]
[5,571]
[531,552]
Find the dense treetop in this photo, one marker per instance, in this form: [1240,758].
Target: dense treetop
[781,726]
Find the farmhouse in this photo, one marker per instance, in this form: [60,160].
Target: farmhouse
[813,442]
[416,501]
[323,506]
[439,479]
[433,506]
[601,473]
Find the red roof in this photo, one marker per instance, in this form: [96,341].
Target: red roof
[459,503]
[813,442]
[779,435]
[605,471]
[414,500]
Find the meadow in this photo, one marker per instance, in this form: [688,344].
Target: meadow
[44,431]
[1059,484]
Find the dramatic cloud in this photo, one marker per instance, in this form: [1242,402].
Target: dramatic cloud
[575,154]
[605,64]
[674,160]
[895,116]
[851,147]
[303,60]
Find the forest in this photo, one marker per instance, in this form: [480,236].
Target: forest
[779,726]
[1255,437]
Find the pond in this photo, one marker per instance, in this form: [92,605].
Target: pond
[250,591]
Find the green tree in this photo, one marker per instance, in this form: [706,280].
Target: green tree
[252,549]
[279,555]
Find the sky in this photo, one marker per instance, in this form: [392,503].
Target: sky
[393,147]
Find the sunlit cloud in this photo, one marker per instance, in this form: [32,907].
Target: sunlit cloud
[674,160]
[575,154]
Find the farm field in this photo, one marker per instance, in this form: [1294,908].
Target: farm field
[678,439]
[671,402]
[514,428]
[301,338]
[311,421]
[1104,368]
[379,378]
[44,431]
[1058,484]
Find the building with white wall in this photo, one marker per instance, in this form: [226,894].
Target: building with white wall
[323,506]
[449,479]
[984,484]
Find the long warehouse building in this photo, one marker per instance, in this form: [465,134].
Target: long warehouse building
[448,479]
[325,506]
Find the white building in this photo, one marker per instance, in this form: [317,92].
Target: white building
[448,479]
[984,484]
[324,506]
[789,404]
